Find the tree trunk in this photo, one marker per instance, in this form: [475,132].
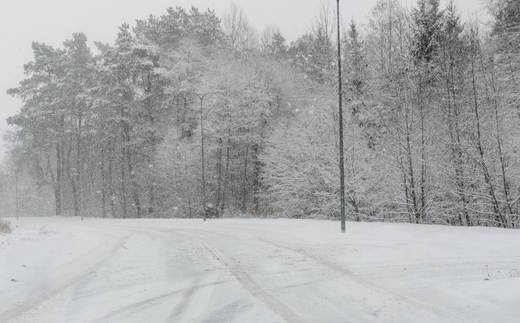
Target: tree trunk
[133,181]
[244,182]
[423,150]
[16,207]
[103,185]
[455,139]
[111,190]
[72,181]
[218,199]
[487,178]
[256,179]
[122,165]
[411,174]
[406,191]
[505,187]
[153,144]
[226,178]
[123,185]
[78,199]
[58,180]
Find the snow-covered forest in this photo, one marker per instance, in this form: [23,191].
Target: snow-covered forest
[188,110]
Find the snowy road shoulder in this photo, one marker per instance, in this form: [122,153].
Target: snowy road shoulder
[42,257]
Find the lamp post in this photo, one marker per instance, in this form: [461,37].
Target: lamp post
[341,152]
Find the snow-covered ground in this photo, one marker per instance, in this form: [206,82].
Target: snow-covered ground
[63,270]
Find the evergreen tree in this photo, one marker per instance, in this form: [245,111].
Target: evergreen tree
[428,23]
[41,121]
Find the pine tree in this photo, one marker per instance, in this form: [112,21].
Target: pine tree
[428,22]
[41,120]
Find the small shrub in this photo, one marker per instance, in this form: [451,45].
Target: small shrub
[5,227]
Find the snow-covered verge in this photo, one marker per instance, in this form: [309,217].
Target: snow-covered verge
[64,270]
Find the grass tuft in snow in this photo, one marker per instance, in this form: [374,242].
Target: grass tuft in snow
[5,227]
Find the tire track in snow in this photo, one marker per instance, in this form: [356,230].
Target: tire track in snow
[256,290]
[403,302]
[229,312]
[152,301]
[188,299]
[40,297]
[442,313]
[190,296]
[246,281]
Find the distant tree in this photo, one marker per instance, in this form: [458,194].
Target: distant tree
[273,44]
[453,66]
[241,37]
[428,23]
[41,121]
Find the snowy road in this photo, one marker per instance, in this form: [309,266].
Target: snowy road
[63,270]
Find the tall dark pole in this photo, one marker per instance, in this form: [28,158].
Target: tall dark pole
[341,153]
[202,155]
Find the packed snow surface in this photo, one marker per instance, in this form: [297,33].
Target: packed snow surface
[64,270]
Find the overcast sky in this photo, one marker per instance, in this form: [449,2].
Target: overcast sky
[52,21]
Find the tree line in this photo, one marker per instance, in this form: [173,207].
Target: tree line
[187,111]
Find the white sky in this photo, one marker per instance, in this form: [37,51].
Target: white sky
[52,21]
